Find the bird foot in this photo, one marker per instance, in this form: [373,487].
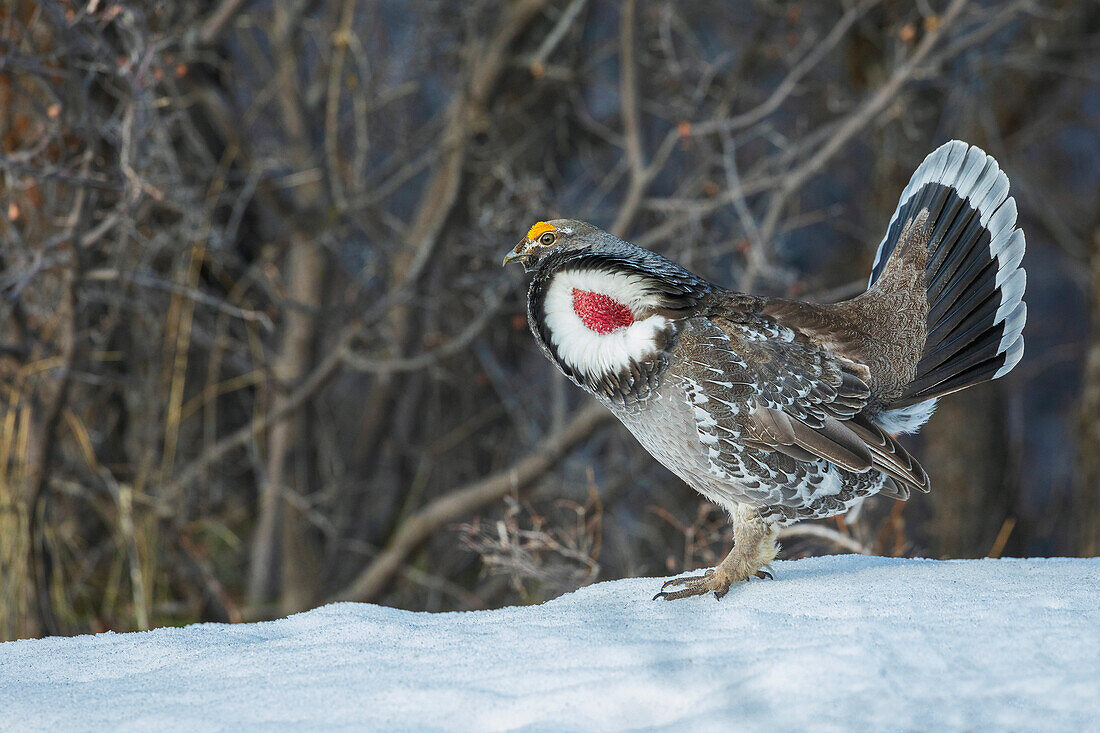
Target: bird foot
[708,582]
[697,585]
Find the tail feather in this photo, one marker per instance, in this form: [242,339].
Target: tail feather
[933,372]
[958,198]
[969,292]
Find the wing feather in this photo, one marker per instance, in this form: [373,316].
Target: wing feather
[806,403]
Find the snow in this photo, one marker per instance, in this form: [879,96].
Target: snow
[833,643]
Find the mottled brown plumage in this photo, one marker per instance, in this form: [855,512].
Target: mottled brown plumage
[776,409]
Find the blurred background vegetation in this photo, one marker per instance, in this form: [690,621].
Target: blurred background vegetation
[257,351]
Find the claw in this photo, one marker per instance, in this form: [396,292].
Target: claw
[676,595]
[764,574]
[694,585]
[687,579]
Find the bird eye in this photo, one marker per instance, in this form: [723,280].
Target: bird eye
[547,238]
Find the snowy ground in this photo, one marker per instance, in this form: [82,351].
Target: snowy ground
[833,643]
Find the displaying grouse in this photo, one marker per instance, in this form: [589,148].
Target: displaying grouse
[780,410]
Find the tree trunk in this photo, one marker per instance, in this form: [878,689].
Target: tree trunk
[290,559]
[1086,513]
[965,458]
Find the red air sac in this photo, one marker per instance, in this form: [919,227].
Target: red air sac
[600,312]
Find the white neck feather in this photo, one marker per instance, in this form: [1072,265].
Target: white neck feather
[589,352]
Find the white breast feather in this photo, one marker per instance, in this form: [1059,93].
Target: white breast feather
[600,353]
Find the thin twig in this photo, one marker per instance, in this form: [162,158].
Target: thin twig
[465,499]
[853,124]
[822,532]
[305,391]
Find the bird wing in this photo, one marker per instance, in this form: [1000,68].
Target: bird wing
[794,397]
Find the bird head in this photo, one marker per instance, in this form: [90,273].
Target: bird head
[556,236]
[551,247]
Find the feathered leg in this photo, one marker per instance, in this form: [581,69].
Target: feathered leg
[754,546]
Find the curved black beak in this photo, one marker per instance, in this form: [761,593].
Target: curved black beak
[519,252]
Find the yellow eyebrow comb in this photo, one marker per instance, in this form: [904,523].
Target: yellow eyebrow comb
[541,228]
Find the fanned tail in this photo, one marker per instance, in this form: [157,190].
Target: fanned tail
[957,208]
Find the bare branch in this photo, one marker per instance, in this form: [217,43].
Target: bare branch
[820,531]
[458,503]
[852,125]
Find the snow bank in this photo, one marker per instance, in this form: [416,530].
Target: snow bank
[832,643]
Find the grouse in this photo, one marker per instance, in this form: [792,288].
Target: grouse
[775,409]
